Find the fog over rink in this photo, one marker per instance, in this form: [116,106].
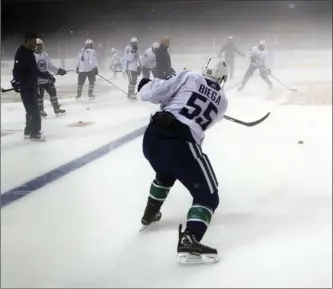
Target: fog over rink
[273,227]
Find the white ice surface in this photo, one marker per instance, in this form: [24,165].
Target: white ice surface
[273,227]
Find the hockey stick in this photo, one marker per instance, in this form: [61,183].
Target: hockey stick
[6,90]
[253,123]
[111,83]
[287,87]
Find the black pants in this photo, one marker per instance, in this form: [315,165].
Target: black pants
[177,159]
[250,72]
[51,90]
[230,62]
[146,72]
[33,120]
[82,79]
[132,81]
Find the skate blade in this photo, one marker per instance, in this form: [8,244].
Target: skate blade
[187,258]
[158,217]
[42,139]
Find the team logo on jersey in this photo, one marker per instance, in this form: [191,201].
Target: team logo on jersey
[42,64]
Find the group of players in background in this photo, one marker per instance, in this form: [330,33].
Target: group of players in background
[130,63]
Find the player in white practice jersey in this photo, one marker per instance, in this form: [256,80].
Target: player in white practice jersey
[258,55]
[86,66]
[44,63]
[116,61]
[132,66]
[191,102]
[149,61]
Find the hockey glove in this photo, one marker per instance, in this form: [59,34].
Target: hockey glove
[95,71]
[142,83]
[15,85]
[268,71]
[62,71]
[50,78]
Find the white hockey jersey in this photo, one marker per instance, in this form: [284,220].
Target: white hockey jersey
[116,57]
[44,63]
[131,59]
[189,98]
[258,57]
[86,60]
[149,59]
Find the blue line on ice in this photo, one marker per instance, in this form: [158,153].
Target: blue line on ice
[41,181]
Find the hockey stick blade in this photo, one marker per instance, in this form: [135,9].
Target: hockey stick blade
[285,86]
[6,90]
[253,123]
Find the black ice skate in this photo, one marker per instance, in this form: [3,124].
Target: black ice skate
[59,111]
[152,213]
[190,251]
[37,137]
[43,113]
[132,96]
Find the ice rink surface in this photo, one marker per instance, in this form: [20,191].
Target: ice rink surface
[79,226]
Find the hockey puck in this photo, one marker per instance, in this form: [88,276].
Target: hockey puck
[300,142]
[88,108]
[80,121]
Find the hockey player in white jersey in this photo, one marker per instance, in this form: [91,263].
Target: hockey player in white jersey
[149,61]
[191,102]
[258,55]
[116,61]
[86,66]
[44,64]
[132,66]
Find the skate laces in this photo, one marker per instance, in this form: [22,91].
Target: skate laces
[195,241]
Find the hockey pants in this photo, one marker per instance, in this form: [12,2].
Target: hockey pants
[132,80]
[146,72]
[250,72]
[81,80]
[51,90]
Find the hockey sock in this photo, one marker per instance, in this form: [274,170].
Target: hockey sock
[91,89]
[198,219]
[158,192]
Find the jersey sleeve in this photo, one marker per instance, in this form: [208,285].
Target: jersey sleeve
[78,58]
[161,90]
[93,59]
[50,65]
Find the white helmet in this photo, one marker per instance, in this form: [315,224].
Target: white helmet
[39,41]
[113,50]
[89,43]
[262,44]
[156,45]
[134,40]
[215,69]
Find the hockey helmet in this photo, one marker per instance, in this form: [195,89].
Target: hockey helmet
[262,45]
[134,40]
[39,45]
[215,69]
[89,43]
[155,46]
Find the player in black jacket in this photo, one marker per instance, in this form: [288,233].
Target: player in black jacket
[163,61]
[25,74]
[229,50]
